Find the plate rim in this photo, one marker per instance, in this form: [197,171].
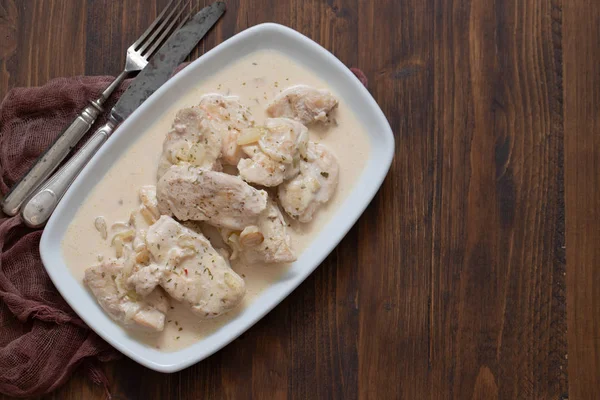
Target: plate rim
[142,357]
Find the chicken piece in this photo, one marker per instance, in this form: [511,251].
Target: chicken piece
[228,117]
[206,134]
[195,226]
[275,155]
[223,200]
[266,242]
[147,196]
[231,152]
[192,139]
[315,184]
[260,168]
[189,269]
[303,103]
[285,139]
[149,206]
[107,281]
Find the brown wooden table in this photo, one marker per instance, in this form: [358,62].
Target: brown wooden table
[457,281]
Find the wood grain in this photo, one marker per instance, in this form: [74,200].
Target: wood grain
[497,204]
[29,33]
[452,284]
[582,177]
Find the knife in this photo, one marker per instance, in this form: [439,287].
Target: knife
[41,204]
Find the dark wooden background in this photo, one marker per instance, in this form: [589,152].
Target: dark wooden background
[457,282]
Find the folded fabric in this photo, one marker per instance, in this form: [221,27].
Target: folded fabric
[42,340]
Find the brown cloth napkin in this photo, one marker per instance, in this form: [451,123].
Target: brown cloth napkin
[42,340]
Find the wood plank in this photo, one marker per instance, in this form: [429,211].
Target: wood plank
[487,184]
[112,26]
[395,49]
[582,176]
[497,327]
[452,284]
[41,40]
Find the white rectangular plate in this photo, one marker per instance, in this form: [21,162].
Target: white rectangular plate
[266,36]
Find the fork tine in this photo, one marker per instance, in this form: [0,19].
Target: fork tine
[183,21]
[152,25]
[159,41]
[160,28]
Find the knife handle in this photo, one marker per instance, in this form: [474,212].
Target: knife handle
[38,208]
[49,160]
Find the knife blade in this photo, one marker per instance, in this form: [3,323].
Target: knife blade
[168,57]
[38,208]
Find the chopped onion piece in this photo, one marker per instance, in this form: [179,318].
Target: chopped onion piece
[250,135]
[196,154]
[125,236]
[118,243]
[119,226]
[143,257]
[251,236]
[100,224]
[148,215]
[234,243]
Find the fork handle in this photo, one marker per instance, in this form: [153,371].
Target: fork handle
[49,161]
[42,203]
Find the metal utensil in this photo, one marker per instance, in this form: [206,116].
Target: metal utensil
[138,55]
[40,206]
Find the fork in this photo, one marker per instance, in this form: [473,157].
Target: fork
[138,55]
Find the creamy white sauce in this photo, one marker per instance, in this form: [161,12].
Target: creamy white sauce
[256,79]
